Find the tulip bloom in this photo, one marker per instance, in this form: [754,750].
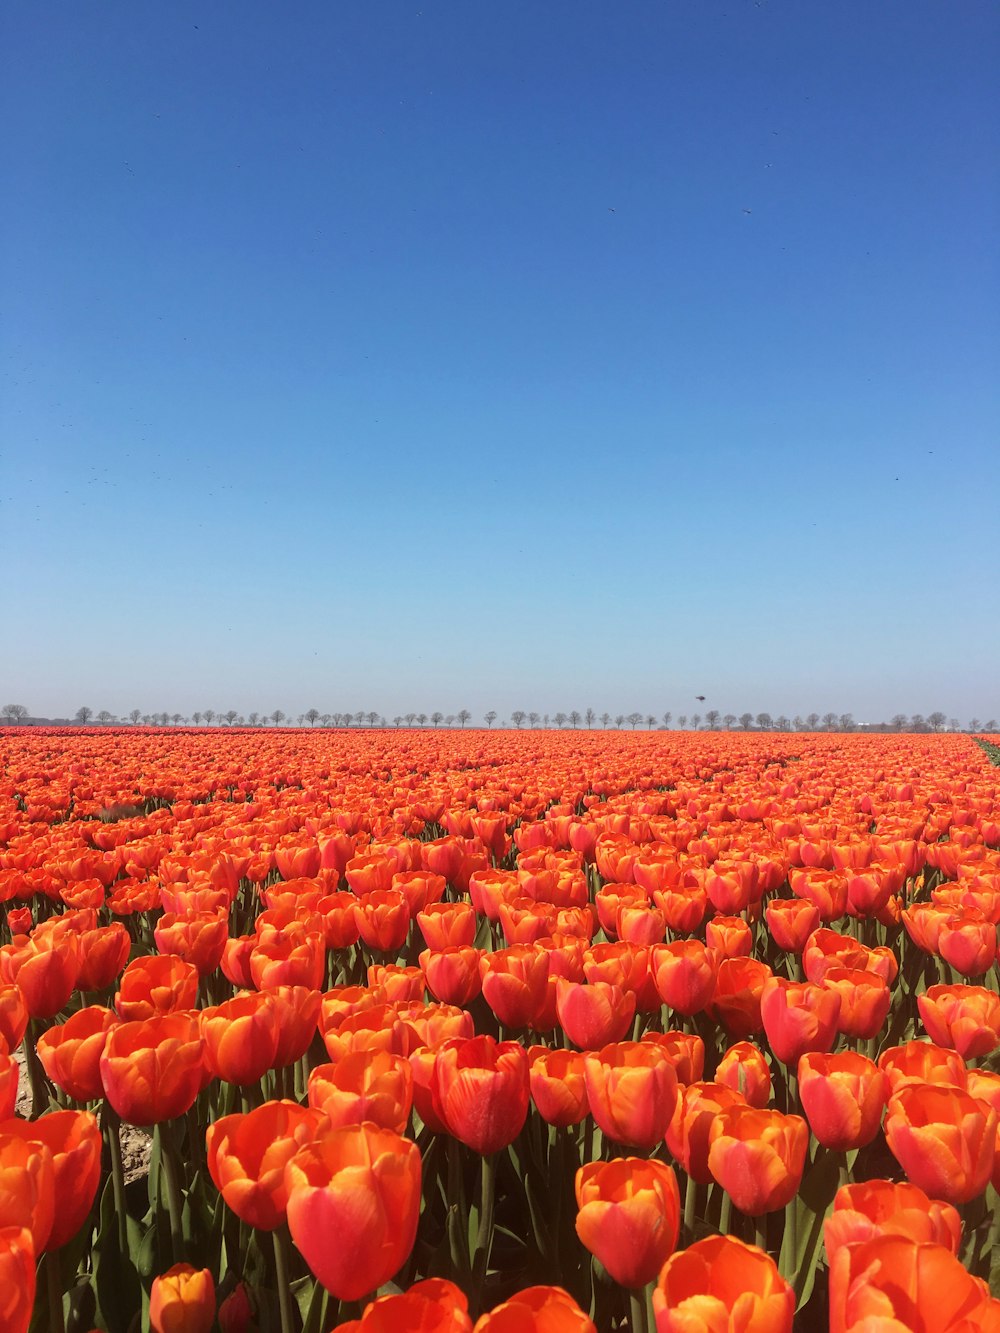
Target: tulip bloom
[536,1310]
[729,937]
[864,1000]
[13,1016]
[791,921]
[480,1092]
[690,1125]
[452,974]
[45,968]
[432,1306]
[593,1015]
[629,1216]
[631,1090]
[247,1155]
[684,972]
[353,1206]
[943,1138]
[27,1187]
[297,1008]
[74,1141]
[444,925]
[241,1037]
[758,1157]
[558,1085]
[966,1018]
[103,954]
[154,1069]
[197,937]
[744,1068]
[920,1062]
[798,1017]
[182,1300]
[156,984]
[364,1085]
[383,919]
[873,1208]
[894,1282]
[968,941]
[735,1002]
[721,1285]
[843,1097]
[515,982]
[17,1278]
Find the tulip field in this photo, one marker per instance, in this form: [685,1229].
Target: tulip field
[451,1031]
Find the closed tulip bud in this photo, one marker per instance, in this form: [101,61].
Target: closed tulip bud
[353,1206]
[17,1278]
[27,1187]
[629,1216]
[515,982]
[558,1085]
[480,1092]
[943,1138]
[235,1312]
[536,1310]
[103,954]
[182,1300]
[735,1002]
[241,1037]
[631,1090]
[729,937]
[921,1062]
[721,1285]
[298,1009]
[444,925]
[873,1208]
[843,1097]
[452,974]
[235,961]
[758,1157]
[595,1014]
[968,941]
[965,1018]
[197,937]
[365,1085]
[247,1155]
[864,1000]
[791,921]
[684,972]
[798,1017]
[694,1114]
[74,1141]
[744,1068]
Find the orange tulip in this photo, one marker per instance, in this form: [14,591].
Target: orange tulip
[27,1187]
[154,1069]
[536,1310]
[873,1208]
[364,1085]
[684,972]
[865,998]
[629,1216]
[182,1300]
[721,1285]
[13,1016]
[70,1052]
[45,968]
[757,1157]
[843,1096]
[631,1090]
[735,1002]
[17,1278]
[515,982]
[595,1014]
[894,1282]
[293,957]
[920,1062]
[744,1068]
[445,924]
[791,921]
[74,1141]
[480,1091]
[729,937]
[943,1138]
[968,941]
[103,954]
[685,1050]
[353,1206]
[383,918]
[694,1114]
[241,1037]
[798,1017]
[156,984]
[432,1306]
[247,1155]
[298,1009]
[197,937]
[452,974]
[558,1085]
[965,1018]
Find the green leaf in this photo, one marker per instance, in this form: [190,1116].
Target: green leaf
[801,1249]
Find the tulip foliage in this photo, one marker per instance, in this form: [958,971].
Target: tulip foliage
[469,1031]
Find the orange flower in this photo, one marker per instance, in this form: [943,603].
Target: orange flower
[383,918]
[445,924]
[558,1085]
[103,954]
[27,1187]
[943,1138]
[247,1155]
[631,1090]
[843,1096]
[684,972]
[480,1091]
[241,1037]
[694,1114]
[729,937]
[9,1069]
[791,921]
[298,1009]
[536,1310]
[968,941]
[721,1285]
[197,937]
[894,1282]
[864,1000]
[735,1002]
[966,1018]
[920,1062]
[364,1085]
[74,1141]
[452,974]
[593,1015]
[798,1017]
[182,1300]
[156,984]
[45,968]
[515,981]
[873,1208]
[629,1216]
[353,1206]
[17,1278]
[757,1157]
[432,1306]
[153,1070]
[744,1068]
[13,1015]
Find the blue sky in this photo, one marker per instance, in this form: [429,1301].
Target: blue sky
[414,356]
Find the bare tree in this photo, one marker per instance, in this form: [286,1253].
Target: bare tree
[590,717]
[650,721]
[846,721]
[990,727]
[729,720]
[312,716]
[410,718]
[559,719]
[196,717]
[517,717]
[490,717]
[437,718]
[231,715]
[575,719]
[696,720]
[605,718]
[812,721]
[277,716]
[175,718]
[712,719]
[15,712]
[782,723]
[533,719]
[974,724]
[797,723]
[422,719]
[765,721]
[463,716]
[449,720]
[829,721]
[634,719]
[134,716]
[208,715]
[666,720]
[746,721]
[372,717]
[936,720]
[84,714]
[104,717]
[619,720]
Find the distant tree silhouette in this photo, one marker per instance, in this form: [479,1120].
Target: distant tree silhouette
[104,717]
[782,723]
[232,715]
[559,719]
[634,719]
[728,720]
[533,719]
[666,720]
[312,716]
[517,717]
[619,720]
[696,720]
[936,720]
[605,718]
[829,721]
[812,721]
[208,715]
[575,719]
[846,721]
[84,714]
[590,717]
[650,721]
[765,721]
[463,716]
[276,717]
[15,712]
[437,718]
[712,719]
[974,724]
[746,721]
[490,717]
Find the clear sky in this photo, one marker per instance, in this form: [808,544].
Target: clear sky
[546,355]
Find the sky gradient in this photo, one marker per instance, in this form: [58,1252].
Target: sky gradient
[428,356]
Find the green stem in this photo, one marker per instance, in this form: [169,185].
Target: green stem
[280,1238]
[168,1163]
[690,1209]
[484,1240]
[36,1079]
[725,1216]
[637,1311]
[792,1234]
[53,1279]
[112,1127]
[760,1232]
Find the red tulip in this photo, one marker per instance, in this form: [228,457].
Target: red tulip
[631,1090]
[629,1216]
[843,1096]
[721,1285]
[757,1157]
[480,1091]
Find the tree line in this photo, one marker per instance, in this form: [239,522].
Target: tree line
[710,720]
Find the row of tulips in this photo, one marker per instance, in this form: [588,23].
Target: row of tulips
[422,1043]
